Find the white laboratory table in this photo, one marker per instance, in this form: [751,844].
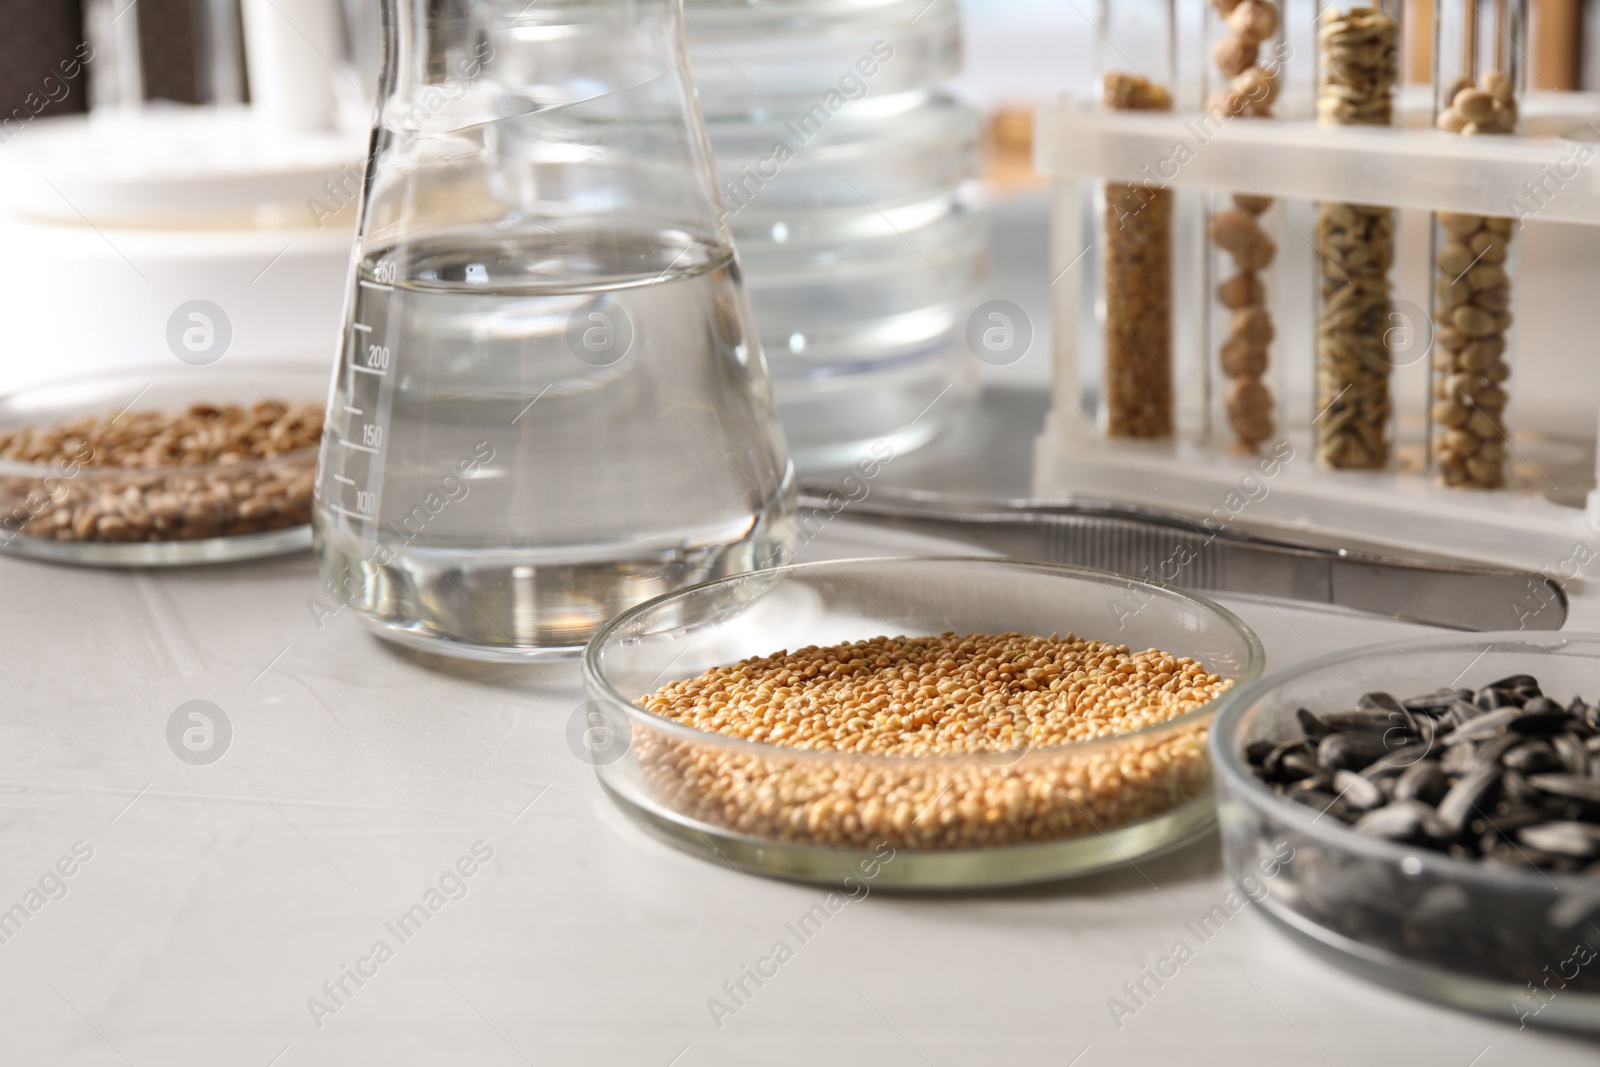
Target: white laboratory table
[212,911]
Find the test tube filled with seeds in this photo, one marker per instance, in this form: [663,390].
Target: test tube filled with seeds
[1477,78]
[1243,64]
[1134,224]
[1358,52]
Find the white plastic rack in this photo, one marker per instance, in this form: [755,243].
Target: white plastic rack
[1549,519]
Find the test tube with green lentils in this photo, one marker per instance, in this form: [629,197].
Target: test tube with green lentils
[1477,77]
[1136,66]
[1358,51]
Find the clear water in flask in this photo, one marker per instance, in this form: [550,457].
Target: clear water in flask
[529,433]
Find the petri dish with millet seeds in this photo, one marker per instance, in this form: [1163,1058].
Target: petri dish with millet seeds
[981,722]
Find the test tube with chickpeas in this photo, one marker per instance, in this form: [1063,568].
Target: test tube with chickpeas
[1243,67]
[1135,67]
[1477,79]
[1358,50]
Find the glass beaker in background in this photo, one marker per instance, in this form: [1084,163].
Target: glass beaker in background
[550,402]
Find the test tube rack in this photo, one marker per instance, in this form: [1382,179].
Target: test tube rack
[1547,176]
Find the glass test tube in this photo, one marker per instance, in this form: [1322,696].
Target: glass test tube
[1358,51]
[1477,83]
[1134,222]
[1243,74]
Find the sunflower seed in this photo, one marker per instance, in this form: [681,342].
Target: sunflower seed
[1512,815]
[1568,785]
[1439,701]
[1482,727]
[1384,702]
[1515,785]
[1463,797]
[1522,683]
[1376,722]
[1315,728]
[1531,757]
[1357,793]
[1298,765]
[1541,723]
[1396,822]
[1490,698]
[1573,756]
[1563,838]
[1422,781]
[1494,749]
[1350,751]
[1272,765]
[1461,711]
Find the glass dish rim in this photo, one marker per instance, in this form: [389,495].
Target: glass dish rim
[21,469]
[940,109]
[1234,769]
[789,10]
[597,683]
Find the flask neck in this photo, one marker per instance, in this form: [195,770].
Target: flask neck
[548,114]
[426,42]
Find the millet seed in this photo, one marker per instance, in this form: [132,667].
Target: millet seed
[994,697]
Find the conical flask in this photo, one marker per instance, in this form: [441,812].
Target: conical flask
[550,402]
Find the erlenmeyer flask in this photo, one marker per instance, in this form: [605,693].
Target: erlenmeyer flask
[550,402]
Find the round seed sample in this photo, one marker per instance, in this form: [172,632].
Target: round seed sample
[1018,706]
[211,470]
[199,435]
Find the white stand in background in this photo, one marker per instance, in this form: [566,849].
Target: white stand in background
[112,221]
[290,47]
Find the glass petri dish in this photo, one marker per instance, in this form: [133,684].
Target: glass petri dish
[67,512]
[1481,937]
[858,177]
[787,56]
[859,252]
[764,807]
[863,338]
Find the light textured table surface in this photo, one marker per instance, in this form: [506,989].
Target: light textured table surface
[218,899]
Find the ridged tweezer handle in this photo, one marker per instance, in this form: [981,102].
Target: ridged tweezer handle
[1184,551]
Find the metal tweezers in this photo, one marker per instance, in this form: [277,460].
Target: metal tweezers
[1184,551]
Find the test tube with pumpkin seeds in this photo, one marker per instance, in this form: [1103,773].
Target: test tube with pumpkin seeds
[1136,66]
[1243,67]
[1477,81]
[1358,64]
